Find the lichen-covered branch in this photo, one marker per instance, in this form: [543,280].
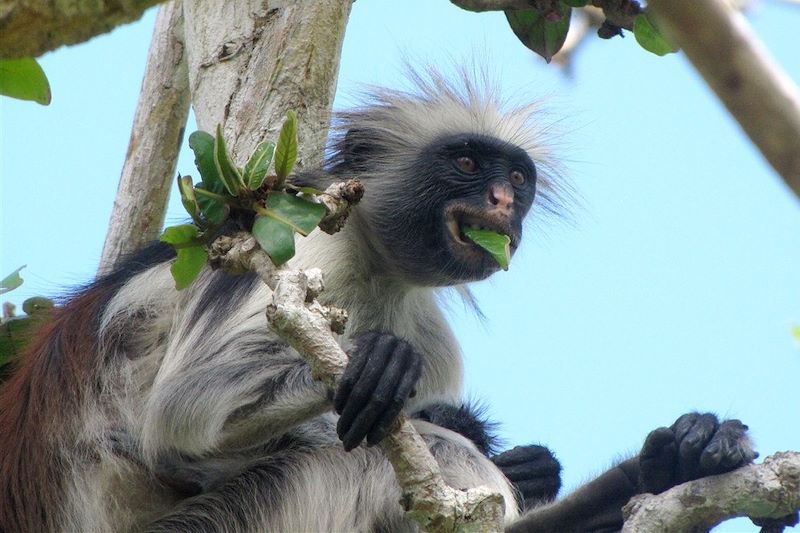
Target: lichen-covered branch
[762,98]
[29,28]
[156,137]
[767,490]
[307,326]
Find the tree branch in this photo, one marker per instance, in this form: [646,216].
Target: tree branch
[155,141]
[735,64]
[29,28]
[767,490]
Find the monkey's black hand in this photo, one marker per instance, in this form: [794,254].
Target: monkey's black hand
[695,446]
[534,472]
[380,376]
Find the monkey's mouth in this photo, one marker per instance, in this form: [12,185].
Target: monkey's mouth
[461,216]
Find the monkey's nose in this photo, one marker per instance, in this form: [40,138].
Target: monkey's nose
[501,198]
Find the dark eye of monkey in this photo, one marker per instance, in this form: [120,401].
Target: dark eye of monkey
[466,164]
[516,178]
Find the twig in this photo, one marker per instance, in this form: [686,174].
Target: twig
[767,490]
[736,65]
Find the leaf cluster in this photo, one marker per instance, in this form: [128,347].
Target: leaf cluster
[544,30]
[278,212]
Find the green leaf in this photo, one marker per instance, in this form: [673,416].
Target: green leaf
[298,213]
[496,244]
[24,79]
[13,337]
[575,3]
[187,265]
[227,171]
[533,28]
[275,238]
[215,211]
[255,171]
[286,151]
[183,234]
[649,38]
[37,305]
[202,144]
[11,282]
[186,189]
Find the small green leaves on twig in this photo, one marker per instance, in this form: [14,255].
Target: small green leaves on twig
[12,281]
[286,151]
[542,32]
[227,190]
[496,244]
[24,79]
[649,38]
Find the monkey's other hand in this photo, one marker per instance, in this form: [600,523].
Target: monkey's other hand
[380,376]
[695,446]
[533,470]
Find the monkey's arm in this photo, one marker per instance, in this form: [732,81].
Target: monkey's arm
[695,446]
[224,381]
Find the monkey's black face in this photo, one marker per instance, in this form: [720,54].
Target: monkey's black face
[461,181]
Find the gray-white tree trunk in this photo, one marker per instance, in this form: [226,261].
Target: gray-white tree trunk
[156,137]
[250,61]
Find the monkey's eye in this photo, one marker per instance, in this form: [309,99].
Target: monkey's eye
[466,164]
[516,178]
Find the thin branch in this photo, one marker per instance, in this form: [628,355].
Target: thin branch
[762,98]
[156,137]
[29,28]
[767,490]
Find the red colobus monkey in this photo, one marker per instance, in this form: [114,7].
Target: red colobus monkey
[127,414]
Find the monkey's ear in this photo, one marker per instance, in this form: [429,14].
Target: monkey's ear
[359,147]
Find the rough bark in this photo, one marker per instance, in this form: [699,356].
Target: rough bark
[251,61]
[29,28]
[767,490]
[735,64]
[155,141]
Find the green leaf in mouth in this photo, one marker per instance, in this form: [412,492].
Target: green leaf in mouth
[498,246]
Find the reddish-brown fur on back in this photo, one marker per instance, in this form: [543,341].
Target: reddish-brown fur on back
[38,408]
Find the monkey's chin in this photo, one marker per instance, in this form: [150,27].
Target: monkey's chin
[476,263]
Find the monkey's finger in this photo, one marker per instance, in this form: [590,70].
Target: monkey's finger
[371,395]
[355,366]
[729,448]
[407,380]
[691,446]
[532,470]
[383,397]
[521,454]
[366,383]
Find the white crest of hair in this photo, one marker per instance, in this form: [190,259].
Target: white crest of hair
[400,122]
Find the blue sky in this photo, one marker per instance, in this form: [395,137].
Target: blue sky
[671,285]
